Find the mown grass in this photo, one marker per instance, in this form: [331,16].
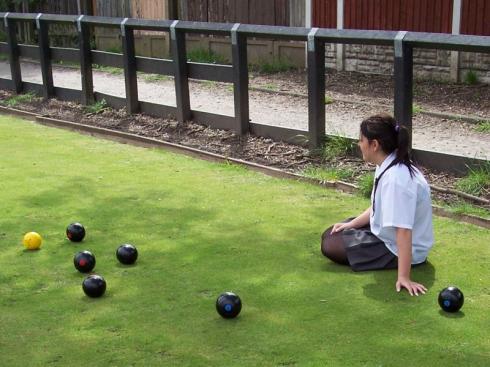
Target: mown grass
[202,228]
[462,207]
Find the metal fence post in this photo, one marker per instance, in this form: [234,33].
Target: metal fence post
[45,57]
[85,62]
[240,80]
[403,83]
[14,54]
[316,90]
[181,73]
[129,57]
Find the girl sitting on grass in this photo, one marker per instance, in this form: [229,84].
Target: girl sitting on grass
[396,230]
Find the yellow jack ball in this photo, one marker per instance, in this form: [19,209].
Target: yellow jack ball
[32,241]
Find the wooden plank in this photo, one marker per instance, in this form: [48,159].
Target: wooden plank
[230,11]
[348,14]
[415,15]
[184,10]
[486,20]
[365,14]
[149,9]
[377,15]
[296,13]
[240,83]
[323,14]
[85,57]
[281,12]
[189,9]
[212,10]
[371,19]
[45,59]
[316,92]
[203,13]
[181,74]
[415,24]
[261,12]
[333,14]
[464,18]
[480,10]
[474,16]
[242,12]
[360,21]
[355,10]
[129,59]
[318,14]
[422,16]
[448,16]
[221,11]
[14,55]
[425,24]
[399,12]
[57,7]
[388,5]
[434,16]
[436,12]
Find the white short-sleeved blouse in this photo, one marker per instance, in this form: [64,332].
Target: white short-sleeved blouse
[402,201]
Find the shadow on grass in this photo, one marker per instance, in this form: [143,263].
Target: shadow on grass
[383,279]
[454,315]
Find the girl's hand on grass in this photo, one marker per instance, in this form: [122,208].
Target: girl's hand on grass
[411,287]
[339,227]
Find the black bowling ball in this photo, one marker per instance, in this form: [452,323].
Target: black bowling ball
[75,232]
[94,286]
[451,299]
[228,305]
[84,261]
[127,254]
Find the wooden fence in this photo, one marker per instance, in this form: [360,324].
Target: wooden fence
[113,8]
[408,15]
[268,12]
[324,13]
[237,73]
[475,17]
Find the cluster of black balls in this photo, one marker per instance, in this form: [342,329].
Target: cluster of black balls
[228,304]
[94,285]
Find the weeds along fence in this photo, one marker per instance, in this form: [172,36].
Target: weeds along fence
[237,73]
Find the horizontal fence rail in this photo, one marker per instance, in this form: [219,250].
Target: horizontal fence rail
[181,69]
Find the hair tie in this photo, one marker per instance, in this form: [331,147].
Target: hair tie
[397,128]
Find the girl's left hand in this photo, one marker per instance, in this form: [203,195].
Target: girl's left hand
[411,287]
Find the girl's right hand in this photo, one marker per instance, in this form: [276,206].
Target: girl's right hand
[339,227]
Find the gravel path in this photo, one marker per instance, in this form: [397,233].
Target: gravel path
[429,133]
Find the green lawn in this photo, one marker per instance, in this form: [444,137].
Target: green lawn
[202,228]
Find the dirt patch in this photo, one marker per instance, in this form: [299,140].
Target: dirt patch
[291,158]
[430,95]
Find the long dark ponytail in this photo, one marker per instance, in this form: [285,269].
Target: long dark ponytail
[391,136]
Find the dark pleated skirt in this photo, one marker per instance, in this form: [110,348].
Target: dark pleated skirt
[365,251]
